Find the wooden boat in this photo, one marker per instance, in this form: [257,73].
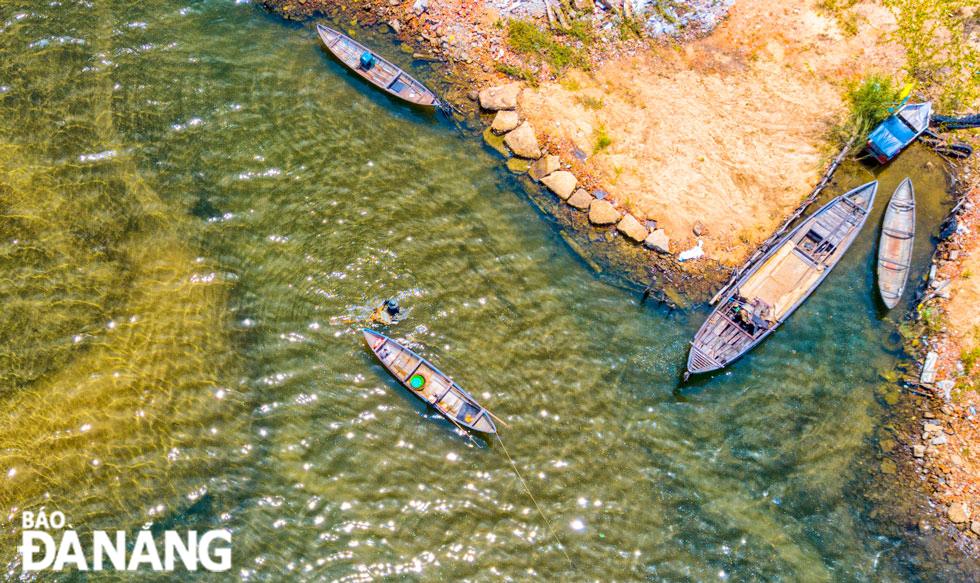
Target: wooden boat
[780,281]
[899,130]
[895,248]
[376,69]
[429,383]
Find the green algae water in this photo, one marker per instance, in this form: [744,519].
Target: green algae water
[198,208]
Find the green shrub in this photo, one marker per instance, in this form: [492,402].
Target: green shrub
[525,37]
[868,101]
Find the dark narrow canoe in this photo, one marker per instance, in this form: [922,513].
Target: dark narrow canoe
[899,130]
[895,248]
[780,281]
[381,73]
[430,384]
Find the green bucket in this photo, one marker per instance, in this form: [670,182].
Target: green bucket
[417,381]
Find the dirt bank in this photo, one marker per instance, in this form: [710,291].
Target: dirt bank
[726,130]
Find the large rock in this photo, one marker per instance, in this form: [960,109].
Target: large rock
[561,183]
[505,121]
[632,229]
[523,142]
[502,97]
[658,241]
[602,212]
[544,166]
[581,199]
[958,512]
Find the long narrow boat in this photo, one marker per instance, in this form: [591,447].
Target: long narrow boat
[899,130]
[895,248]
[376,69]
[429,383]
[780,281]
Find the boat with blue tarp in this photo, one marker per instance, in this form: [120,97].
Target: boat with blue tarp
[899,130]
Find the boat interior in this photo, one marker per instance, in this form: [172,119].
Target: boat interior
[768,295]
[436,388]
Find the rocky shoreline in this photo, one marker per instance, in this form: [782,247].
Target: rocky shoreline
[941,444]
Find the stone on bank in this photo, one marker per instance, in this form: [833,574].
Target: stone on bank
[501,97]
[632,229]
[602,212]
[505,121]
[544,166]
[581,199]
[562,183]
[658,241]
[958,512]
[523,142]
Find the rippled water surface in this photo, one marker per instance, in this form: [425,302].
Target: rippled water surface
[230,203]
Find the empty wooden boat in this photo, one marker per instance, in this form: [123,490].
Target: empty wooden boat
[899,130]
[895,247]
[376,69]
[780,281]
[429,383]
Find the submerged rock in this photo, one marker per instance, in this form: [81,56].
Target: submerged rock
[602,212]
[658,241]
[918,450]
[581,199]
[561,182]
[501,97]
[523,142]
[544,166]
[518,165]
[505,121]
[632,229]
[496,142]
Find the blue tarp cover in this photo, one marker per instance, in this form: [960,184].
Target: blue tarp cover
[891,136]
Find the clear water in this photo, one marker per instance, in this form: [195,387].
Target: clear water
[233,202]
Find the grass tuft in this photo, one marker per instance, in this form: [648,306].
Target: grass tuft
[602,139]
[517,73]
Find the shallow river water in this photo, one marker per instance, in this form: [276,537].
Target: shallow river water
[197,207]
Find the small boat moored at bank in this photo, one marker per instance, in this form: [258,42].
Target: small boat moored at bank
[429,383]
[895,247]
[780,281]
[899,130]
[376,69]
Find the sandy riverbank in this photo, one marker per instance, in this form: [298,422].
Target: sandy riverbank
[726,131]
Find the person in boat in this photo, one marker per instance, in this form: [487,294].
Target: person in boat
[386,313]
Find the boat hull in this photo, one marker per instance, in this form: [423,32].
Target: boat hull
[895,245]
[380,72]
[768,293]
[429,384]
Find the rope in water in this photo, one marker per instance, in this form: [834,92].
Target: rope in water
[531,496]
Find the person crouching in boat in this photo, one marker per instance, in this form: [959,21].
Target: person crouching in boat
[386,313]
